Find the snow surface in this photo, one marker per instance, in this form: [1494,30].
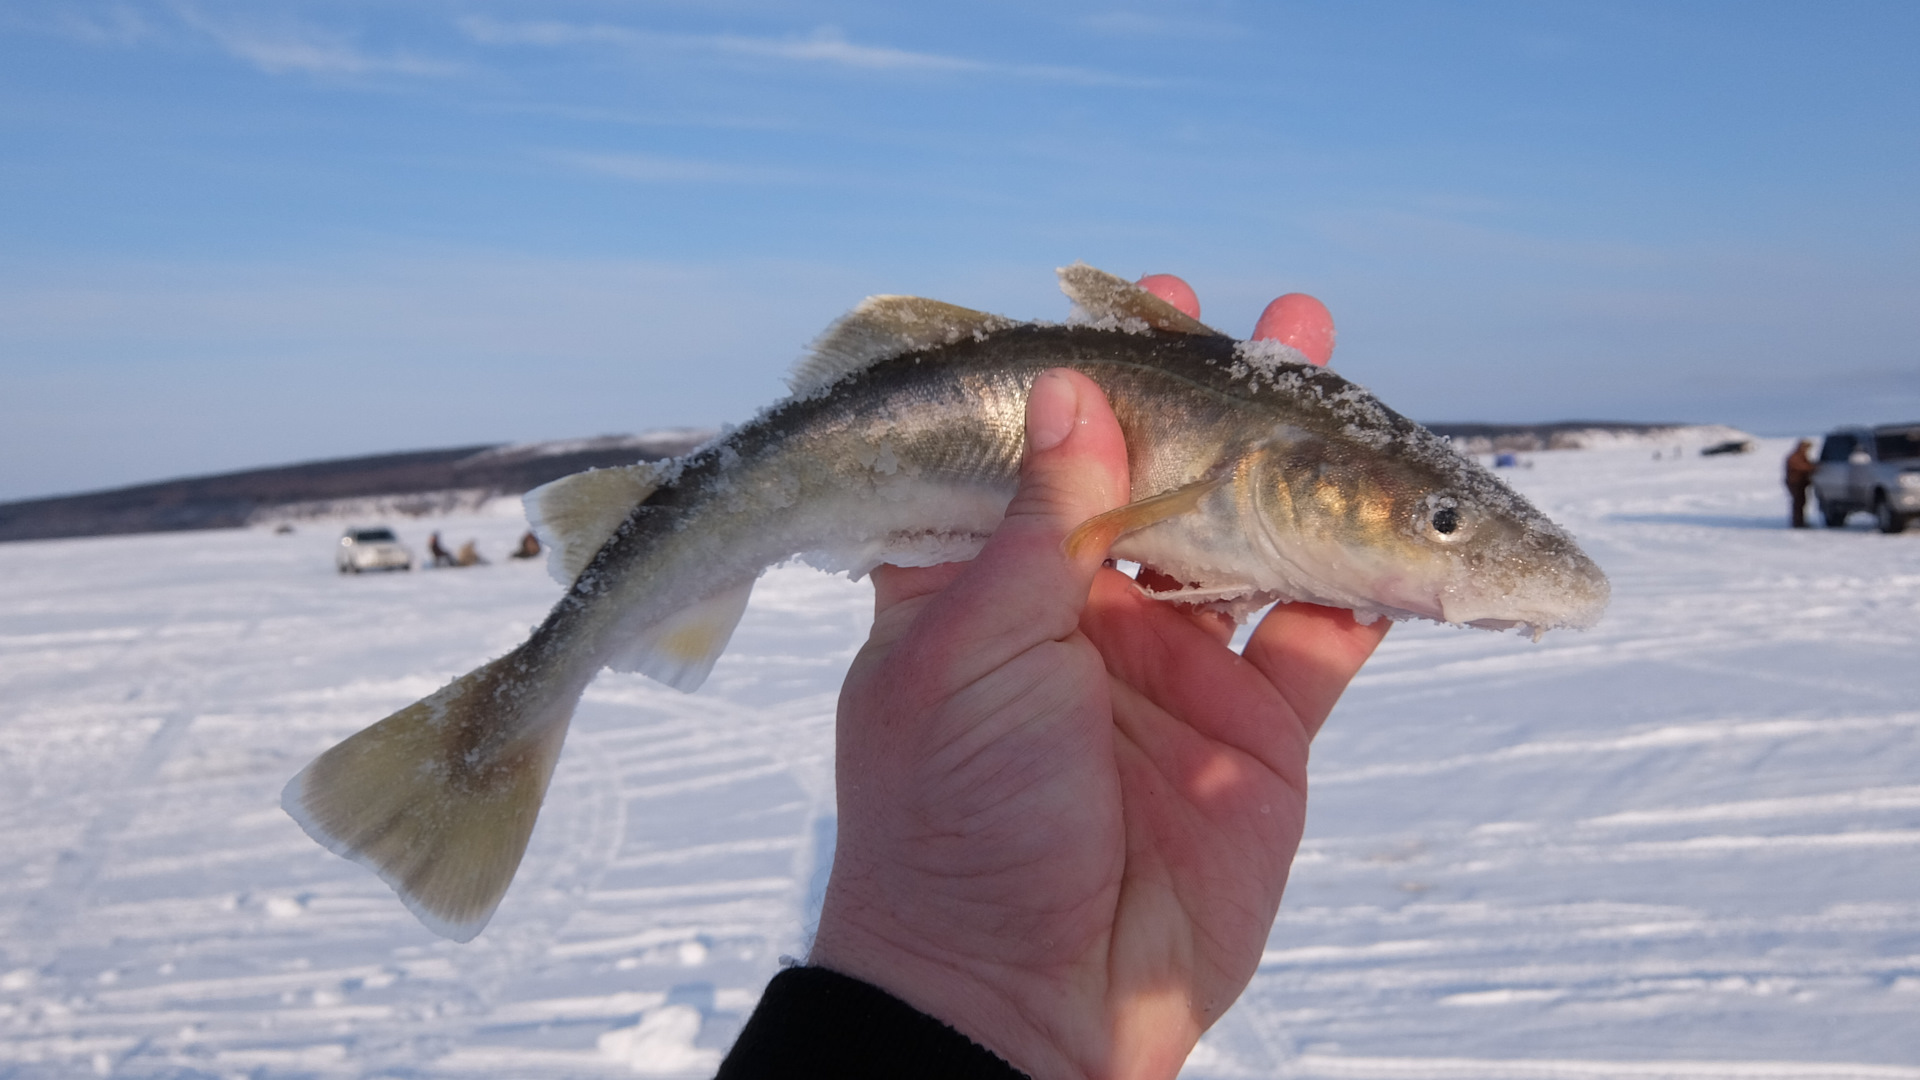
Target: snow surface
[1685,844]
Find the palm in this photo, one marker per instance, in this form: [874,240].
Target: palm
[1108,815]
[1212,766]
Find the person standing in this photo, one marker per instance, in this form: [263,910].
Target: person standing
[438,552]
[1800,466]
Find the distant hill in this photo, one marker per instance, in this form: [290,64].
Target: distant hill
[425,481]
[1475,438]
[438,481]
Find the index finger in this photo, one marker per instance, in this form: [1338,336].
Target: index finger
[1310,653]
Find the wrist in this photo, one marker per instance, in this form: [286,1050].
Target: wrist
[981,1005]
[1060,1021]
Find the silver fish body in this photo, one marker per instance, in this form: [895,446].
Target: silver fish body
[1327,495]
[1254,479]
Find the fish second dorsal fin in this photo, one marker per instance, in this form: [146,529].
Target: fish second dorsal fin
[576,515]
[1104,296]
[883,327]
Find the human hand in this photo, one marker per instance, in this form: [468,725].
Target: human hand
[1067,811]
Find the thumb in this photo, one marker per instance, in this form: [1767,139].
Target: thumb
[1075,467]
[1024,587]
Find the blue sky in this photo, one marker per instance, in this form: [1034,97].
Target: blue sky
[240,234]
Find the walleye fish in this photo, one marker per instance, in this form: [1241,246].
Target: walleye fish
[1255,477]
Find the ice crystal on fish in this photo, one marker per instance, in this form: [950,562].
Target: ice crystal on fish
[1265,357]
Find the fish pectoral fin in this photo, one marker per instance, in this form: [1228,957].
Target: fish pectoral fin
[1102,530]
[440,798]
[576,515]
[1104,295]
[881,328]
[681,649]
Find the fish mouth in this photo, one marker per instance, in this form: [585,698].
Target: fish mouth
[1532,592]
[1571,597]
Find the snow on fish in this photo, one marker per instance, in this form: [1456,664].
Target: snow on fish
[1256,478]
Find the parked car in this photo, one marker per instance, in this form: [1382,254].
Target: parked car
[1875,469]
[371,549]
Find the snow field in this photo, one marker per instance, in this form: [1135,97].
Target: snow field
[1684,844]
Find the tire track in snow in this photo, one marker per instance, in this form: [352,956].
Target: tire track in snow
[1666,736]
[49,910]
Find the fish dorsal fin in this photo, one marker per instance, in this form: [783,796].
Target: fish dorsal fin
[883,327]
[1104,296]
[680,650]
[576,515]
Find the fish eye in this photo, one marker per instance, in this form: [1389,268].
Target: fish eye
[1443,520]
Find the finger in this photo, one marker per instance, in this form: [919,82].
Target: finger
[1075,468]
[1217,625]
[1310,653]
[1174,291]
[1299,321]
[1184,669]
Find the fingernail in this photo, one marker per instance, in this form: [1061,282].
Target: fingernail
[1053,407]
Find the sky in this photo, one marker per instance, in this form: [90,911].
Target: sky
[242,234]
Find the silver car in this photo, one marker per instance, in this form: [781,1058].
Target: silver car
[371,549]
[1875,469]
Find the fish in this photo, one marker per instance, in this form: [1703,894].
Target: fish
[1256,478]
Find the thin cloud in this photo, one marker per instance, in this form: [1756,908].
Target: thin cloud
[306,51]
[118,26]
[494,32]
[826,46]
[644,118]
[96,25]
[831,47]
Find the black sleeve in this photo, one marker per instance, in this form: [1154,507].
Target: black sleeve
[817,1023]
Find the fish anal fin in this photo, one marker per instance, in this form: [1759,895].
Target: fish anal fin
[440,798]
[681,649]
[883,327]
[576,515]
[1107,296]
[1100,531]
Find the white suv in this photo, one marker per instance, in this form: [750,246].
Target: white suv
[371,549]
[1875,469]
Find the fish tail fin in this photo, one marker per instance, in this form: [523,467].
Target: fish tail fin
[440,798]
